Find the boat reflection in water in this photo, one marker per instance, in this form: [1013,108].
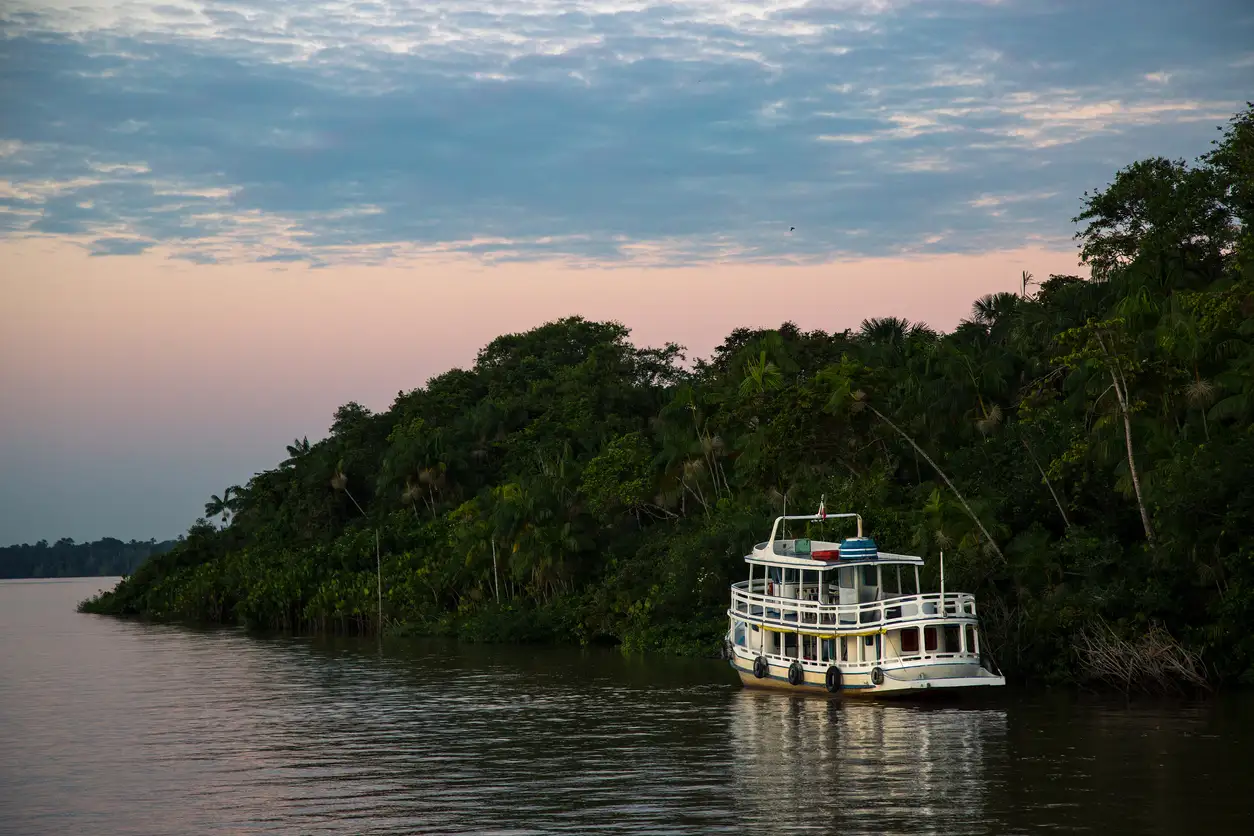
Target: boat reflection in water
[809,765]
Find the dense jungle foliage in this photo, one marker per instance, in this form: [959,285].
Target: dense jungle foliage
[105,557]
[1082,451]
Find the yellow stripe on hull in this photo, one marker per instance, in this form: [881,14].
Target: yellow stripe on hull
[852,684]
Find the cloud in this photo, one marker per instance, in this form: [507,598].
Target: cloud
[593,130]
[119,246]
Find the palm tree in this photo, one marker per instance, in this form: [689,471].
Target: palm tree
[219,506]
[761,375]
[295,450]
[996,312]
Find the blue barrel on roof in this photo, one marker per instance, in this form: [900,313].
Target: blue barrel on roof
[858,548]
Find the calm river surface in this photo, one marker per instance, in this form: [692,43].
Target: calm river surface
[110,727]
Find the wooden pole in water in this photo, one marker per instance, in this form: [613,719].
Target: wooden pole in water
[340,483]
[378,567]
[496,579]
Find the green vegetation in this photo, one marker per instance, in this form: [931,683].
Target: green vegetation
[106,557]
[1083,452]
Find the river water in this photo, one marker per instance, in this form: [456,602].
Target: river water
[113,727]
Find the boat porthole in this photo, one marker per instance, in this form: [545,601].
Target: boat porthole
[760,668]
[877,676]
[796,674]
[832,679]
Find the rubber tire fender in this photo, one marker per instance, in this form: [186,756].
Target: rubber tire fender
[760,667]
[833,679]
[796,674]
[877,676]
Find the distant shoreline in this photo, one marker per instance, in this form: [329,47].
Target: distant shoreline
[61,580]
[107,557]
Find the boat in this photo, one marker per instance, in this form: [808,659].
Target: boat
[845,618]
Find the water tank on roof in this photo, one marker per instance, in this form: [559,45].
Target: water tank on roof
[858,548]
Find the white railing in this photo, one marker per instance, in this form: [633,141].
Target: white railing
[775,611]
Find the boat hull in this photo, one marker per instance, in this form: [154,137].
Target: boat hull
[898,682]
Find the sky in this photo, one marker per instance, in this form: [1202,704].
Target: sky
[221,220]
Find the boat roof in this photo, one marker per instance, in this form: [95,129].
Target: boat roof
[765,558]
[852,551]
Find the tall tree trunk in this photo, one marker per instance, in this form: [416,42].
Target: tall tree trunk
[1066,522]
[1124,410]
[942,475]
[1120,385]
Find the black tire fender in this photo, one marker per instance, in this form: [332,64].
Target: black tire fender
[796,674]
[760,667]
[833,679]
[877,676]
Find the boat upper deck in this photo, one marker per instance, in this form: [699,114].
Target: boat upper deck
[804,553]
[787,553]
[837,586]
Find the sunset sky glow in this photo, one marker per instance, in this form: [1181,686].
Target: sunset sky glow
[221,220]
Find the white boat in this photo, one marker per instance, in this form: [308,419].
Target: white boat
[848,619]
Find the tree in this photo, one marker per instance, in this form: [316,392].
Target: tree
[1103,346]
[1153,206]
[220,506]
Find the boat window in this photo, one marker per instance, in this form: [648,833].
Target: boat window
[951,637]
[970,638]
[773,573]
[790,645]
[892,581]
[739,633]
[910,640]
[929,638]
[869,589]
[844,649]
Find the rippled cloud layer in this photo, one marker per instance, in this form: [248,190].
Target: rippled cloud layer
[593,130]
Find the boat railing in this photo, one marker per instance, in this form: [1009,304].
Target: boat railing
[774,610]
